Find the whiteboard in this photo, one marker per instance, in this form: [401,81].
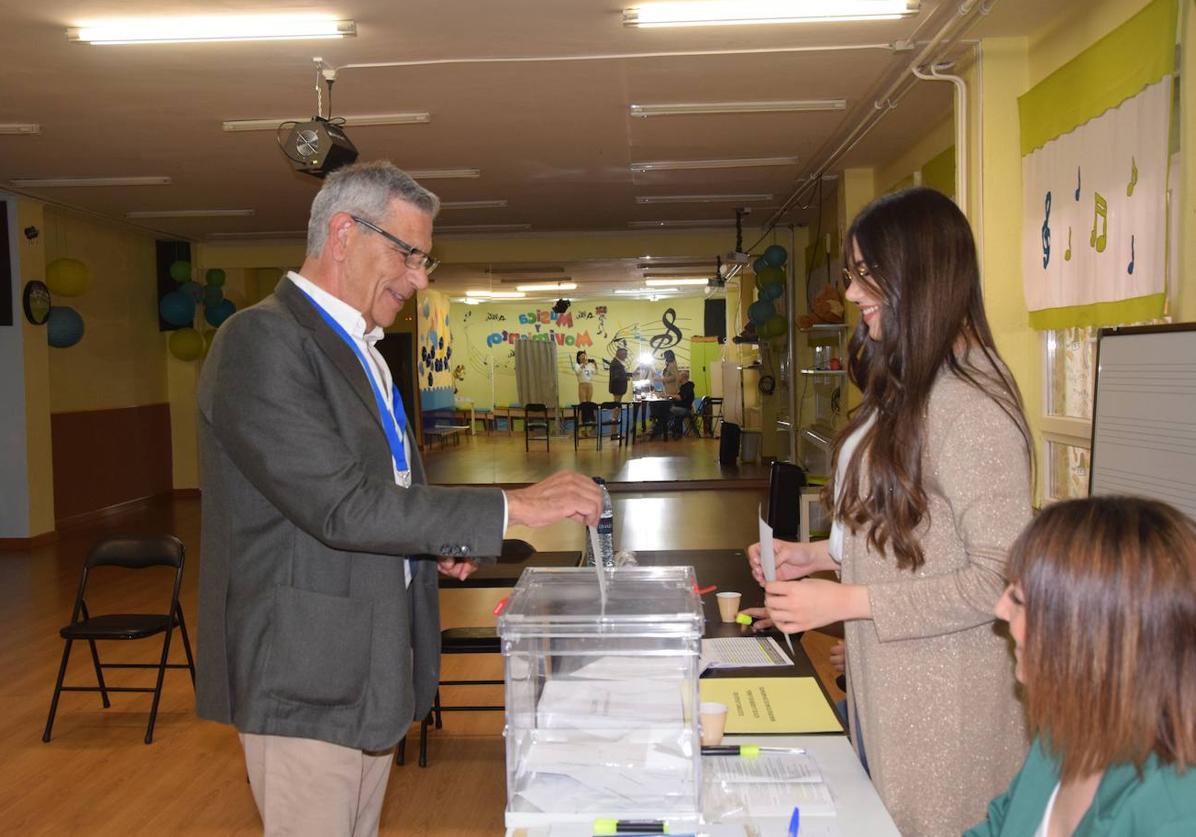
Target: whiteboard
[1144,416]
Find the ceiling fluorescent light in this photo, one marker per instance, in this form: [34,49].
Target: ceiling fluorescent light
[54,182]
[699,108]
[473,204]
[685,224]
[495,294]
[20,128]
[681,280]
[731,12]
[444,174]
[685,165]
[644,200]
[190,213]
[414,118]
[171,30]
[479,228]
[547,286]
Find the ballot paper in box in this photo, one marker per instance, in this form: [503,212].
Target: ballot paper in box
[602,695]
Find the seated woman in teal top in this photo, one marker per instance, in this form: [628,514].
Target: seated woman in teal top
[1102,606]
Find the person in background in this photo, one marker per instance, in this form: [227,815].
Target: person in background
[1101,604]
[618,375]
[584,370]
[670,377]
[319,625]
[931,485]
[683,404]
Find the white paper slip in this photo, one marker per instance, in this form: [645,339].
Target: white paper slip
[767,767]
[768,561]
[742,652]
[778,799]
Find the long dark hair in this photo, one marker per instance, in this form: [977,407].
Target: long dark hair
[920,258]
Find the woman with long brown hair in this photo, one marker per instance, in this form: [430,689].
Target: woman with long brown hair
[932,478]
[1102,606]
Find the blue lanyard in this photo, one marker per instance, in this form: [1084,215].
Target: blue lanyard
[397,449]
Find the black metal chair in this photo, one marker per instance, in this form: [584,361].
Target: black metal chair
[586,415]
[535,417]
[712,411]
[133,553]
[609,413]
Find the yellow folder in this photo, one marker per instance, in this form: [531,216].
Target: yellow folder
[791,705]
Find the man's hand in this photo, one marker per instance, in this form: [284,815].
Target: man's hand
[458,568]
[564,495]
[793,560]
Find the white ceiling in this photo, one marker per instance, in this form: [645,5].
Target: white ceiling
[554,139]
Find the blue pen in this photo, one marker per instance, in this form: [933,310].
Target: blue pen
[795,822]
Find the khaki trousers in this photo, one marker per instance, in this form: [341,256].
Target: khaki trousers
[305,787]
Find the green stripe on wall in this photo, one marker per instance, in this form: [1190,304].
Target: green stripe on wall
[1136,310]
[1139,52]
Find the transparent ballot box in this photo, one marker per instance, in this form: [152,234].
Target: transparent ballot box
[602,695]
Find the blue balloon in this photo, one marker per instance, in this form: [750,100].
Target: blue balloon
[759,264]
[177,308]
[775,255]
[64,328]
[217,314]
[760,311]
[770,292]
[193,290]
[213,295]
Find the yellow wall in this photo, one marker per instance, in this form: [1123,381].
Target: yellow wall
[899,172]
[40,461]
[121,360]
[1183,295]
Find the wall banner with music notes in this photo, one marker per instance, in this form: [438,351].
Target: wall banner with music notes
[1094,217]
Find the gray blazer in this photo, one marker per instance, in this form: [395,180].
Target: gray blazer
[306,627]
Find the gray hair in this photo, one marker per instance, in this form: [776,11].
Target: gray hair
[365,189]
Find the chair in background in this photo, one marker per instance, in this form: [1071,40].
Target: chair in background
[609,414]
[712,411]
[133,553]
[585,415]
[535,417]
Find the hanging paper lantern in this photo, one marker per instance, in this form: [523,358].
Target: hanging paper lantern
[217,314]
[67,277]
[180,271]
[775,326]
[770,292]
[775,255]
[177,308]
[214,277]
[759,265]
[186,344]
[64,328]
[770,276]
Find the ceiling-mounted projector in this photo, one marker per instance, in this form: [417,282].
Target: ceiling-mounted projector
[317,147]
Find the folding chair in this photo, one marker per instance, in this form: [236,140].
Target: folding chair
[609,416]
[535,417]
[585,415]
[713,412]
[133,553]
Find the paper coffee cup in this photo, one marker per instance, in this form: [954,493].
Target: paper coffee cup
[714,721]
[728,606]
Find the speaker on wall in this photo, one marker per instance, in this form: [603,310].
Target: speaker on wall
[716,319]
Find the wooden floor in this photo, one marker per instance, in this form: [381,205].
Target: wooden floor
[489,458]
[97,777]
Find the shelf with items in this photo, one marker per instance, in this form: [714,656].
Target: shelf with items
[822,393]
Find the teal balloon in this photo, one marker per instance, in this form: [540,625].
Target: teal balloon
[760,311]
[180,271]
[776,255]
[214,277]
[775,326]
[217,314]
[193,290]
[213,295]
[177,308]
[64,328]
[759,265]
[770,275]
[771,292]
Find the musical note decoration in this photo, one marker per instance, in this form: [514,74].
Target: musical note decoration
[1077,182]
[1129,189]
[1046,232]
[1100,216]
[672,335]
[1067,252]
[1133,257]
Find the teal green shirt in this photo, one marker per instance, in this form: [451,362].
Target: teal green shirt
[1161,802]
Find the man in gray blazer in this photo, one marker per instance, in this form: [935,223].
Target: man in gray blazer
[319,624]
